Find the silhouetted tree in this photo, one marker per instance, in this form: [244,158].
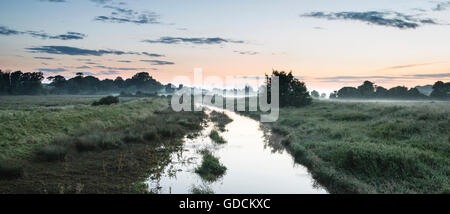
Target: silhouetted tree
[348,93]
[441,90]
[366,90]
[380,92]
[293,92]
[333,95]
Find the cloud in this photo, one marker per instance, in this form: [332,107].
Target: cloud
[152,54]
[52,70]
[381,77]
[178,40]
[124,61]
[389,18]
[42,35]
[74,51]
[442,6]
[246,52]
[101,1]
[108,72]
[124,15]
[44,58]
[406,66]
[158,62]
[441,75]
[53,1]
[66,50]
[67,36]
[115,68]
[83,67]
[7,32]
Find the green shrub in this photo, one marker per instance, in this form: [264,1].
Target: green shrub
[10,170]
[109,100]
[211,169]
[52,153]
[214,135]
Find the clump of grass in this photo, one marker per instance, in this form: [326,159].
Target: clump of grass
[98,141]
[395,130]
[10,170]
[354,116]
[220,119]
[211,169]
[109,100]
[52,153]
[214,135]
[201,190]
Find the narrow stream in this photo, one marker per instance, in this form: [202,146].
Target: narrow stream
[254,164]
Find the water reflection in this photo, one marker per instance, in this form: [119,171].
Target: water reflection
[256,161]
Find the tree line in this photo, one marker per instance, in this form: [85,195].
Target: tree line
[30,83]
[368,90]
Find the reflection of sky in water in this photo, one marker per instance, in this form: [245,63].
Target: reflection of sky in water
[252,167]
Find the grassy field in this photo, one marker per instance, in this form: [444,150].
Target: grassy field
[55,144]
[385,147]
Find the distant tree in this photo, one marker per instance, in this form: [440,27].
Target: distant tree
[293,92]
[348,93]
[333,95]
[323,95]
[441,90]
[119,83]
[170,88]
[4,82]
[399,92]
[380,92]
[315,94]
[366,90]
[414,93]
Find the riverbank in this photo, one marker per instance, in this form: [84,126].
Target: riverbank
[254,165]
[362,147]
[78,148]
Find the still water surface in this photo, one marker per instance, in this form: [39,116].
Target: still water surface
[254,164]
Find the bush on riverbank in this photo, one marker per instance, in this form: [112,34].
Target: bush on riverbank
[211,169]
[109,100]
[220,119]
[214,135]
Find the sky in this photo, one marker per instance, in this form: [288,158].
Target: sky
[327,44]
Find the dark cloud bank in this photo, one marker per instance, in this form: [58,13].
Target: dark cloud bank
[388,18]
[42,35]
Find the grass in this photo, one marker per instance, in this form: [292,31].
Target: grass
[10,170]
[220,119]
[357,147]
[24,127]
[210,169]
[85,149]
[201,190]
[215,136]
